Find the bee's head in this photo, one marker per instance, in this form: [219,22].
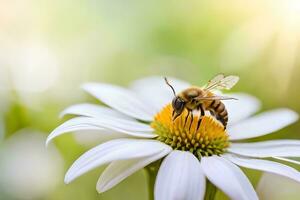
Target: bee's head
[178,103]
[178,106]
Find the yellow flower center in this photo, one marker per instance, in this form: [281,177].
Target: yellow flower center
[202,136]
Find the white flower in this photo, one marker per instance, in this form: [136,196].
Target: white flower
[190,155]
[28,170]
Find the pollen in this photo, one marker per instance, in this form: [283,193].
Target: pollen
[202,136]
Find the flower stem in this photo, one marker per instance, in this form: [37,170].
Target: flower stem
[151,170]
[211,191]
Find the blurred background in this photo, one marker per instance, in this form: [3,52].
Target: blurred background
[49,48]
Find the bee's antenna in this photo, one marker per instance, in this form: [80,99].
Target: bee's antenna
[167,82]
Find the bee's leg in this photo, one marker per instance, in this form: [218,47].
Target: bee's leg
[217,117]
[212,113]
[202,113]
[192,118]
[186,118]
[221,119]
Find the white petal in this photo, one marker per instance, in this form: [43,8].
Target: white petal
[266,165]
[119,149]
[131,128]
[180,177]
[156,92]
[228,177]
[92,110]
[281,148]
[275,187]
[117,171]
[121,99]
[111,122]
[92,138]
[240,109]
[262,124]
[287,160]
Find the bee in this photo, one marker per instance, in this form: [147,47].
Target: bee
[203,99]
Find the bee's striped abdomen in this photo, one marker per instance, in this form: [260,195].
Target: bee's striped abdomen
[218,109]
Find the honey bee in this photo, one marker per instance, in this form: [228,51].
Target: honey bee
[203,99]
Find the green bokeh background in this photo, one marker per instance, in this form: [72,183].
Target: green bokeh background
[49,48]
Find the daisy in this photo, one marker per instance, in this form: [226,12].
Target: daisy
[141,117]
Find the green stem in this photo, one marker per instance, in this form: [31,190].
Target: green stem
[211,191]
[151,172]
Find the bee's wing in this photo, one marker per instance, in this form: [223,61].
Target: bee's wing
[216,98]
[220,82]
